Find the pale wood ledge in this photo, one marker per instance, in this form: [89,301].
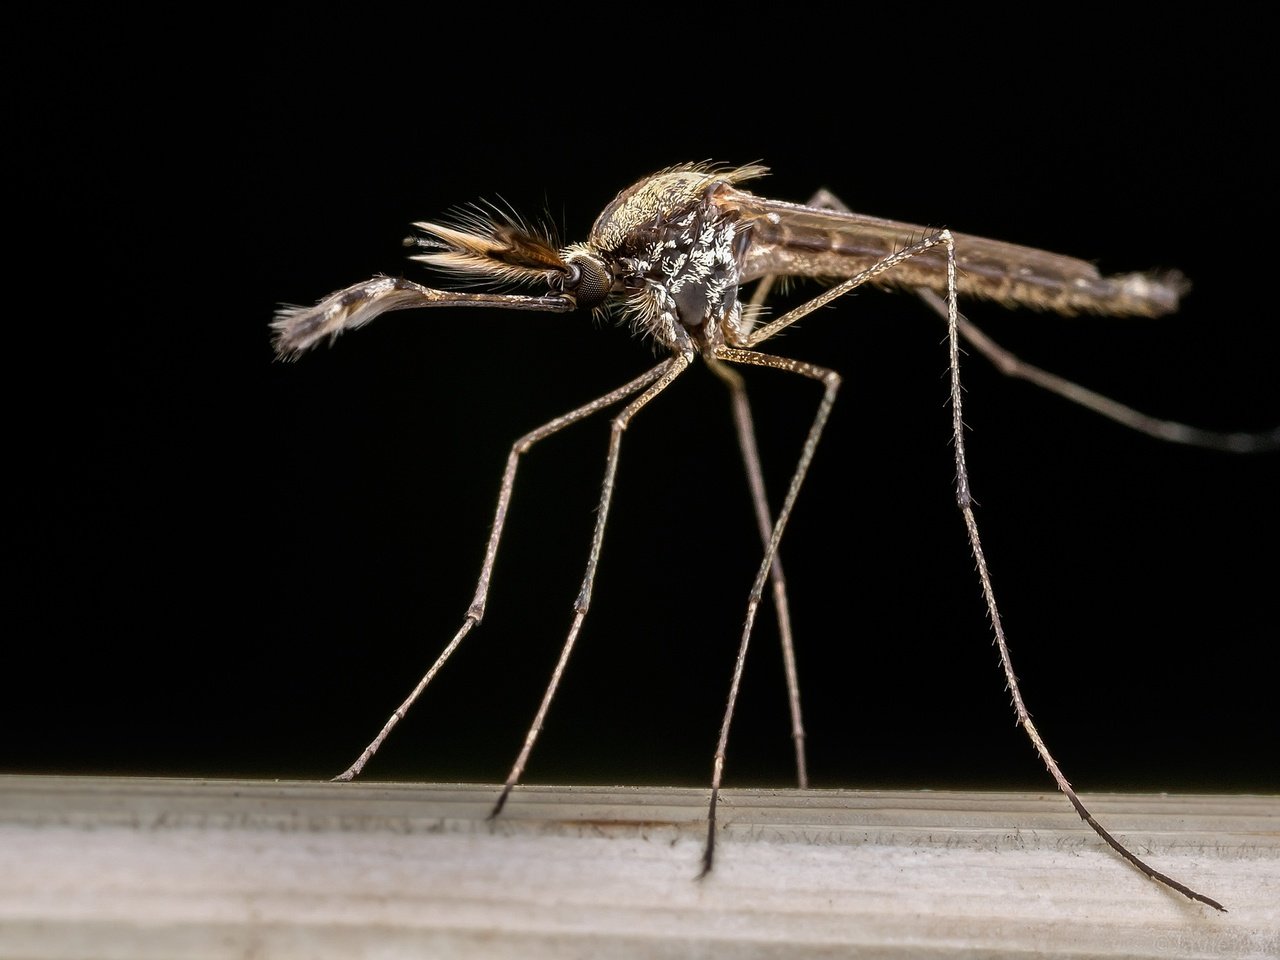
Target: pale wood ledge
[133,868]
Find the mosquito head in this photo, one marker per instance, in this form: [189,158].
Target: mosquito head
[586,277]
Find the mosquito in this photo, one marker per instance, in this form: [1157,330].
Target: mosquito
[670,256]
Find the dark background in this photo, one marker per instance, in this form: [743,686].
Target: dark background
[227,566]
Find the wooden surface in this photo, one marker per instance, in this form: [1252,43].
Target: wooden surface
[135,868]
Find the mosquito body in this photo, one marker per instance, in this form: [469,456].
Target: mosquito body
[671,255]
[673,250]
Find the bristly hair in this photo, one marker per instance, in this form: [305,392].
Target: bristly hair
[489,244]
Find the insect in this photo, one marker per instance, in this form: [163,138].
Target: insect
[671,256]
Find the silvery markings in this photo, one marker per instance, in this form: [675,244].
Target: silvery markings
[670,255]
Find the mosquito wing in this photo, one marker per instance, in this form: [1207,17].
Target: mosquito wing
[792,239]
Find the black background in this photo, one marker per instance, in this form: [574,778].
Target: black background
[225,566]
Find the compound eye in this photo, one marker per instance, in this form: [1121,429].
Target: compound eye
[589,280]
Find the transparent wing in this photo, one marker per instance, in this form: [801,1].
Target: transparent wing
[796,240]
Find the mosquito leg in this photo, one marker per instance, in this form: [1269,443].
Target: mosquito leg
[831,383]
[475,613]
[745,428]
[755,480]
[831,380]
[965,500]
[658,380]
[1170,430]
